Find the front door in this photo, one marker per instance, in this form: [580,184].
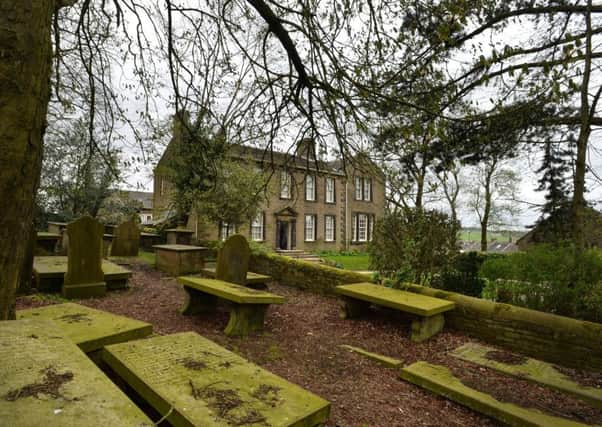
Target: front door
[282,235]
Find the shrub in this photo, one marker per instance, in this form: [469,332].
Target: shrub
[557,279]
[413,245]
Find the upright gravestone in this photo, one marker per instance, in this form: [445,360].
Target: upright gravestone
[126,240]
[233,260]
[84,277]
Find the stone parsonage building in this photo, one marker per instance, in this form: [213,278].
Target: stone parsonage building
[309,208]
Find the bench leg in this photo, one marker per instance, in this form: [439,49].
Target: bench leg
[351,307]
[426,327]
[245,319]
[197,302]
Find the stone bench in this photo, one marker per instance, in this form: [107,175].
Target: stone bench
[254,280]
[45,380]
[248,306]
[88,328]
[428,311]
[192,381]
[49,273]
[179,259]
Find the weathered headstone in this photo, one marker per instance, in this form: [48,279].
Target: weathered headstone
[126,240]
[84,277]
[233,260]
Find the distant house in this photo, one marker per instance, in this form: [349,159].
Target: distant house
[146,200]
[557,227]
[314,205]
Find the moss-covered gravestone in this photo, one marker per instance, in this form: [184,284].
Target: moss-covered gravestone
[126,240]
[233,260]
[84,277]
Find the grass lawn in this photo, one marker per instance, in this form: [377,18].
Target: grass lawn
[360,261]
[147,257]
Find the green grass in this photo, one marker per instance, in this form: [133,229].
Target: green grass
[359,261]
[147,257]
[468,235]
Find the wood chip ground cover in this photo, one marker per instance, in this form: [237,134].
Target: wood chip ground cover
[301,344]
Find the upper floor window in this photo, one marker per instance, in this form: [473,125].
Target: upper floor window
[310,228]
[363,188]
[310,188]
[330,195]
[329,228]
[285,185]
[257,228]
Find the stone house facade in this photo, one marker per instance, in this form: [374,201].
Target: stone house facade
[312,205]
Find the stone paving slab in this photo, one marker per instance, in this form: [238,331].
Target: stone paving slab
[409,302]
[532,370]
[230,291]
[203,384]
[383,360]
[179,248]
[45,380]
[440,380]
[90,329]
[252,278]
[49,272]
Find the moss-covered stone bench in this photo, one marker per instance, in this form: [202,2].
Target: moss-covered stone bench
[253,280]
[428,311]
[88,328]
[248,306]
[49,273]
[179,259]
[45,380]
[192,381]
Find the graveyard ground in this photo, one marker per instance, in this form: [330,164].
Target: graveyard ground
[302,344]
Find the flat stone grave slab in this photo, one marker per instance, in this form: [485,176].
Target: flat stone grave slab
[357,298]
[528,369]
[49,273]
[90,329]
[148,240]
[248,306]
[179,259]
[439,380]
[199,383]
[45,380]
[254,280]
[387,361]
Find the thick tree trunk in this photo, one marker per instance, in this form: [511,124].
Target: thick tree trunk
[25,63]
[486,209]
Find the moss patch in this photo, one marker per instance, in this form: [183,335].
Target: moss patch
[49,386]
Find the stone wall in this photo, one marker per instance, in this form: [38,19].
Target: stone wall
[305,275]
[542,335]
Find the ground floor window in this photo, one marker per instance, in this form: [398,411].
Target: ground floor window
[310,228]
[226,230]
[257,228]
[362,226]
[329,228]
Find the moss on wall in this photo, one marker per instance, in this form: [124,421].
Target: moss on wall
[545,336]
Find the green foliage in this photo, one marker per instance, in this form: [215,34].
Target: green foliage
[558,279]
[76,176]
[118,208]
[413,245]
[463,275]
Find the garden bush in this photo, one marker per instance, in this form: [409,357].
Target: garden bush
[557,279]
[413,245]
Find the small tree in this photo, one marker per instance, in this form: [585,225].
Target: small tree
[413,244]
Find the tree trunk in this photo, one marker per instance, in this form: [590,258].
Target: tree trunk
[584,132]
[25,63]
[486,210]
